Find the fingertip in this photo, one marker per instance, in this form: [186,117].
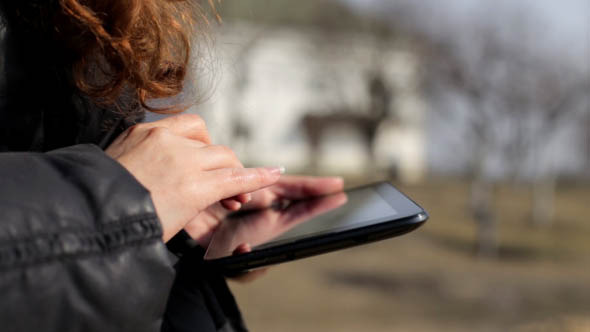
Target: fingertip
[333,184]
[246,180]
[277,170]
[269,176]
[243,249]
[340,199]
[231,204]
[244,198]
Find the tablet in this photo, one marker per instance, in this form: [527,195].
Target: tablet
[298,229]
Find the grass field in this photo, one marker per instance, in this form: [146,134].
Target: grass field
[431,279]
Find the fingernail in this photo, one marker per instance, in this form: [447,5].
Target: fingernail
[277,170]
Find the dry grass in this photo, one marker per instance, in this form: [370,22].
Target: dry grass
[430,280]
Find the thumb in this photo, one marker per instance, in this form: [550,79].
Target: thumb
[235,181]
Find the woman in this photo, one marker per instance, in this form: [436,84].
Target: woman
[90,195]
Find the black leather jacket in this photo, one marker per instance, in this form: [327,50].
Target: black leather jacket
[80,242]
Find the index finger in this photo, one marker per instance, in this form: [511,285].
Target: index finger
[300,187]
[235,181]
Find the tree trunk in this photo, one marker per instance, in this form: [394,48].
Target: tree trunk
[482,202]
[543,204]
[481,205]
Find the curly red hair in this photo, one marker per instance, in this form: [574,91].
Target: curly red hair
[115,46]
[143,45]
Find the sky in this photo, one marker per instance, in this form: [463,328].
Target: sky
[563,25]
[571,15]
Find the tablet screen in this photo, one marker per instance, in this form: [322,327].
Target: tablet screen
[361,206]
[300,219]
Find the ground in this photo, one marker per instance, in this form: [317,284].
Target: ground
[432,280]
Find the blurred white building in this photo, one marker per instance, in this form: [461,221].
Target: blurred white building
[268,78]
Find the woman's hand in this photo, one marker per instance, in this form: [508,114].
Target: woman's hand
[292,187]
[273,222]
[288,187]
[174,160]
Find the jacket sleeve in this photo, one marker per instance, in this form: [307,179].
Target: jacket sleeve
[80,245]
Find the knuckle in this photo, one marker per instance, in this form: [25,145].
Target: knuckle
[135,129]
[248,177]
[227,151]
[157,133]
[261,175]
[238,176]
[197,125]
[194,119]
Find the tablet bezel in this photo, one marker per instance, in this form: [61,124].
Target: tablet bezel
[409,217]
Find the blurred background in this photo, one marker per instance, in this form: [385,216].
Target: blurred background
[478,110]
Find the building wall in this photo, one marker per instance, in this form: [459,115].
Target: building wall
[269,79]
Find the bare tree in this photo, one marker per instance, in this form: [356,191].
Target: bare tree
[516,99]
